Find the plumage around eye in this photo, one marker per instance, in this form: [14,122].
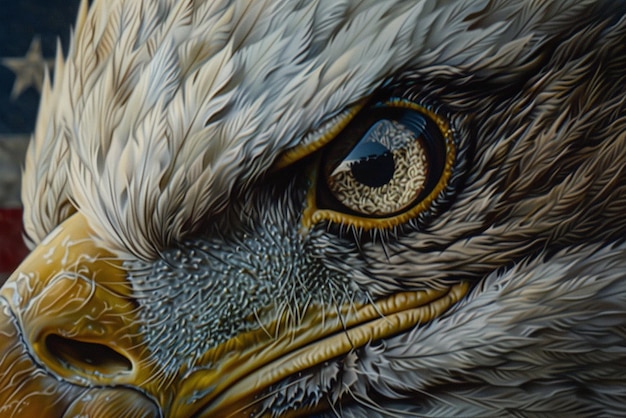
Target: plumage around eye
[386,166]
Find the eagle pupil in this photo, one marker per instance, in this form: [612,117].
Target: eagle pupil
[374,170]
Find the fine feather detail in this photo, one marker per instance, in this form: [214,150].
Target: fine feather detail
[163,109]
[166,115]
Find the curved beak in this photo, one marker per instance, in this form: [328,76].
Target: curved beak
[70,332]
[73,341]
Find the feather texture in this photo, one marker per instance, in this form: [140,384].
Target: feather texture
[193,60]
[163,127]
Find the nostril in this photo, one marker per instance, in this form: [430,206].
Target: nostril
[90,358]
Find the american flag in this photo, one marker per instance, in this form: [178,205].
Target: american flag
[29,30]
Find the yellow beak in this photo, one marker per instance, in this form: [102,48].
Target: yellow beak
[73,341]
[69,326]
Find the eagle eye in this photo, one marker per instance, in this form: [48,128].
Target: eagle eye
[385,167]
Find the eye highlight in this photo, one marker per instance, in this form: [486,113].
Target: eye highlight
[384,168]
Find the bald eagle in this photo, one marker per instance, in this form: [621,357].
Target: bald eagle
[377,208]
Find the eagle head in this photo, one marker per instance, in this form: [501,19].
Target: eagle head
[325,208]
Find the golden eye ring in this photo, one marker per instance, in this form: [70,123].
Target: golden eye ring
[387,166]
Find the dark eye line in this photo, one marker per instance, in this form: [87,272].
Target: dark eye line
[367,165]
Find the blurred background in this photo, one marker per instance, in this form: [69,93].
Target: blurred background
[29,30]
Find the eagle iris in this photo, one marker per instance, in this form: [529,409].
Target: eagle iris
[385,161]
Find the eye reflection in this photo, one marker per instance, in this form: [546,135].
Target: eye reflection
[384,163]
[384,172]
[388,165]
[370,162]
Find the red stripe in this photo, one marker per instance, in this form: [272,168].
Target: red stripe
[12,248]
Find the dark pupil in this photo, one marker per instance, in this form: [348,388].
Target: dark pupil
[370,162]
[374,170]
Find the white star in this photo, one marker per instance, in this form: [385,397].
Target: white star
[29,71]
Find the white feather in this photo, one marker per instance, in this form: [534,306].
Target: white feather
[228,86]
